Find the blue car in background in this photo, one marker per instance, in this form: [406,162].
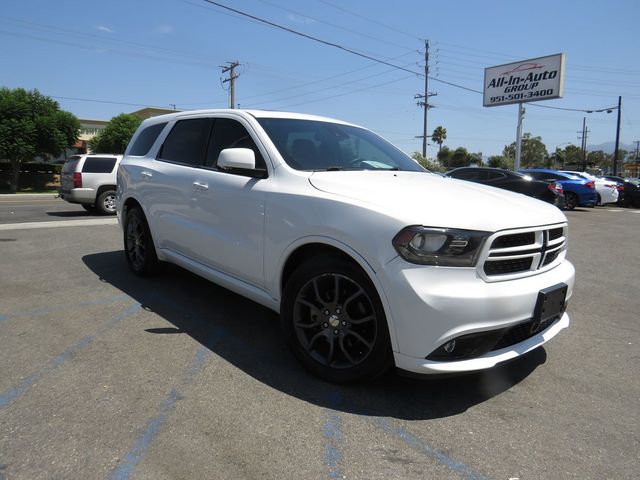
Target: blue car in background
[578,192]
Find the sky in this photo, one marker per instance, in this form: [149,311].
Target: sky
[99,59]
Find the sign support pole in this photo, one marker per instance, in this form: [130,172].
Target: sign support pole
[516,166]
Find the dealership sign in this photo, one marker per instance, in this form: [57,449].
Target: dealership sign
[526,81]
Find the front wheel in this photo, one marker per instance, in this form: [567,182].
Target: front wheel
[334,322]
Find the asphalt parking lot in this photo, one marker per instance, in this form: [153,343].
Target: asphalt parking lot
[104,375]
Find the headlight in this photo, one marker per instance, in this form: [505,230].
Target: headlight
[446,247]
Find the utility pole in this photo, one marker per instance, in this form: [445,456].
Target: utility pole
[583,136]
[424,103]
[521,111]
[232,77]
[615,152]
[637,142]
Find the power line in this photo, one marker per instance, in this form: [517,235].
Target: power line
[348,93]
[339,27]
[371,20]
[311,37]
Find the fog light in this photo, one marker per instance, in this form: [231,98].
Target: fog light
[449,346]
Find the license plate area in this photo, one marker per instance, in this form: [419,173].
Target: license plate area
[550,305]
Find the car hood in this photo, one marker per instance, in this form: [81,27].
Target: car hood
[418,198]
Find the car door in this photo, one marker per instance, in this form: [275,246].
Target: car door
[229,208]
[169,189]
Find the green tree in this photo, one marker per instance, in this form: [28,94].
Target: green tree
[115,137]
[533,151]
[444,157]
[439,135]
[429,165]
[500,161]
[460,158]
[597,158]
[32,124]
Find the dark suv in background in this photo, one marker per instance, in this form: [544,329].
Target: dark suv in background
[549,192]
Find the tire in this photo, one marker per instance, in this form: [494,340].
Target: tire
[599,200]
[334,322]
[89,208]
[106,203]
[139,248]
[570,200]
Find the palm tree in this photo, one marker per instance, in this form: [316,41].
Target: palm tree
[439,135]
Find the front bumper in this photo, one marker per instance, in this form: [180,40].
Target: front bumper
[431,305]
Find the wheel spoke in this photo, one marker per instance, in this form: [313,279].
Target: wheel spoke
[360,321]
[344,350]
[360,338]
[314,310]
[317,290]
[332,345]
[352,297]
[313,340]
[336,289]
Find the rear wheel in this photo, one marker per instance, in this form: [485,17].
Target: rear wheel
[334,322]
[138,244]
[106,203]
[599,200]
[570,200]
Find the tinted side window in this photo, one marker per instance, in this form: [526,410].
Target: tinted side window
[187,141]
[495,175]
[99,165]
[145,139]
[229,133]
[465,175]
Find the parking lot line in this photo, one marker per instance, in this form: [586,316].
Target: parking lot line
[59,224]
[421,446]
[126,467]
[10,396]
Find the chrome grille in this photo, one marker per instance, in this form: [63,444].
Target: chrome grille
[522,252]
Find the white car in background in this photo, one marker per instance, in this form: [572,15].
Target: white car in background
[606,189]
[370,260]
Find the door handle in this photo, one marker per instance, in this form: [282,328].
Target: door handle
[146,173]
[200,186]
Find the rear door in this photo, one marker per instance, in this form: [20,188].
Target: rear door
[168,185]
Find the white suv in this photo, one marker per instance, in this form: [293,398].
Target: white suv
[370,260]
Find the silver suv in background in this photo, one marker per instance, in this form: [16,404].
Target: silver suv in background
[90,180]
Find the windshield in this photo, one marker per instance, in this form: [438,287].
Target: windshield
[323,146]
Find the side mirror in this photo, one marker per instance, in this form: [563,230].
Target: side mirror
[242,158]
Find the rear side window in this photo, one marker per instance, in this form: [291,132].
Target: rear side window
[98,165]
[145,140]
[229,133]
[187,141]
[71,164]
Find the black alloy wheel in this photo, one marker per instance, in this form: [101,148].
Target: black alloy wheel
[334,321]
[138,244]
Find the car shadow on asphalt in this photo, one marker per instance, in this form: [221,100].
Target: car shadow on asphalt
[247,335]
